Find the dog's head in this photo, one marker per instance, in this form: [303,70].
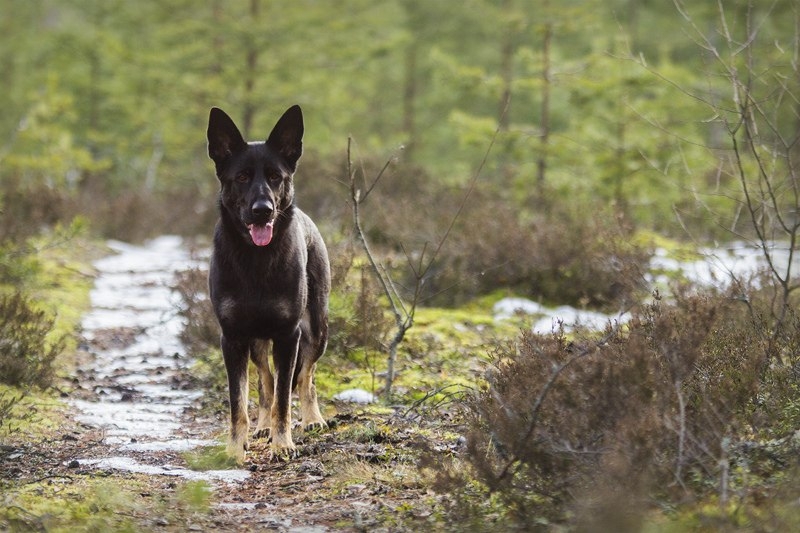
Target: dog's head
[256,178]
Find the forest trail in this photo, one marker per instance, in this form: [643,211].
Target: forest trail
[132,386]
[135,406]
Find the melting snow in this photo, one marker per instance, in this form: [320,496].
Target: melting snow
[715,267]
[141,406]
[354,396]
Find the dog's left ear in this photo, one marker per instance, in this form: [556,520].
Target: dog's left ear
[287,136]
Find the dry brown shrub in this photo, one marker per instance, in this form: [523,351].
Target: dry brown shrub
[580,257]
[650,412]
[201,331]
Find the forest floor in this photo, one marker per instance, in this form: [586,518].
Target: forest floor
[362,475]
[133,445]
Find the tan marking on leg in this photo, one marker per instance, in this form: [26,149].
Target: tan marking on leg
[310,416]
[266,387]
[240,426]
[281,433]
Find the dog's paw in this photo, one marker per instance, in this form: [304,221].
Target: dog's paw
[282,448]
[283,455]
[237,451]
[316,426]
[262,433]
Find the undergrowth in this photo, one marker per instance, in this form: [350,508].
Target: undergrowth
[687,405]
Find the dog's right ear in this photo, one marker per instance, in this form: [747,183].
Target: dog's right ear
[224,138]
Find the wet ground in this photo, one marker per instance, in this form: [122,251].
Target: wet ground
[132,385]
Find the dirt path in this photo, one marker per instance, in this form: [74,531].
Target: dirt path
[132,386]
[136,417]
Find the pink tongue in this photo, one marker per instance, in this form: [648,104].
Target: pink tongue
[261,235]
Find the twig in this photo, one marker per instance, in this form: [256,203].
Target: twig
[404,313]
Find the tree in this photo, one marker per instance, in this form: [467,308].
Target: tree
[754,50]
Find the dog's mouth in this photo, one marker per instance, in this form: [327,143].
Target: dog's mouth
[261,233]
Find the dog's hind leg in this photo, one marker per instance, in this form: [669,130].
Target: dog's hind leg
[309,408]
[235,354]
[259,353]
[311,348]
[284,357]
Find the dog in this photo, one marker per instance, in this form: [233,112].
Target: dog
[269,281]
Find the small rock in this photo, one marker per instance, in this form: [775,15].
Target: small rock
[73,464]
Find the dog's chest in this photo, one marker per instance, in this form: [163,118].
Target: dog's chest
[259,300]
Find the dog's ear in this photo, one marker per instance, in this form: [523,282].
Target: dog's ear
[287,136]
[224,138]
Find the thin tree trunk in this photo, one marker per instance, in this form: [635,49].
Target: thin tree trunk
[251,64]
[544,139]
[409,99]
[507,75]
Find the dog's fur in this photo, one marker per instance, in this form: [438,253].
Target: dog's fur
[269,280]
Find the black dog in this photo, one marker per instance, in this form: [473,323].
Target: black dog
[269,279]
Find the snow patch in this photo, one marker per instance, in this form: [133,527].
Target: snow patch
[354,396]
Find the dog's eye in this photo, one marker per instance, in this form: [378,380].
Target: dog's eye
[275,179]
[243,177]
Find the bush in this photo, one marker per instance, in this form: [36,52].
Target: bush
[574,255]
[26,354]
[201,331]
[553,255]
[663,410]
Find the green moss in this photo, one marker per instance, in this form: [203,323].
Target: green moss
[32,415]
[209,458]
[678,250]
[66,505]
[63,287]
[196,495]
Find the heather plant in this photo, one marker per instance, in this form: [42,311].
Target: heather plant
[27,354]
[677,406]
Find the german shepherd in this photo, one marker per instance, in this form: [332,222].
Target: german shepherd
[269,280]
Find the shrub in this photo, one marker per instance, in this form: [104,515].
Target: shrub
[200,331]
[574,255]
[26,353]
[662,410]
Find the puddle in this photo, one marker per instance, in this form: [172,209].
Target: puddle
[717,267]
[132,334]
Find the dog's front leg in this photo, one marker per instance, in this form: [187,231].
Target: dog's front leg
[284,357]
[235,354]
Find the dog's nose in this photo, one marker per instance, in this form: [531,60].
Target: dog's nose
[261,208]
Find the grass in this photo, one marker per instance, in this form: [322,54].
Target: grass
[209,458]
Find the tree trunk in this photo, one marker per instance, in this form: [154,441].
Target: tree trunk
[409,98]
[506,74]
[251,64]
[544,139]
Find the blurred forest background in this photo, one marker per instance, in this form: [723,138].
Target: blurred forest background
[547,146]
[600,104]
